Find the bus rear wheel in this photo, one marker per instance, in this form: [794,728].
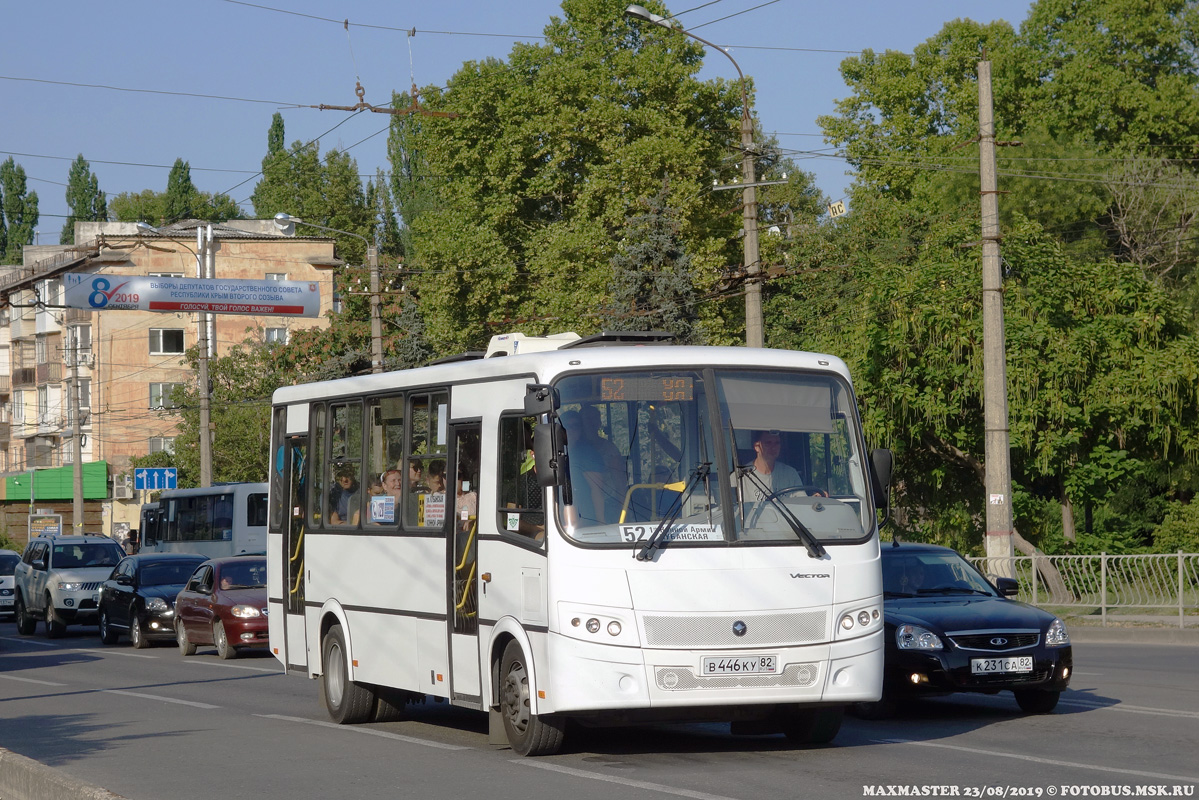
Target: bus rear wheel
[528,734]
[347,702]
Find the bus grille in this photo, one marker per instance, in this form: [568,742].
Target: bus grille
[673,679]
[782,629]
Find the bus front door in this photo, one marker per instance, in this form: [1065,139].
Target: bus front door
[294,476]
[466,686]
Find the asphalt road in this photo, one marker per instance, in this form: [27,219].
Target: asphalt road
[152,725]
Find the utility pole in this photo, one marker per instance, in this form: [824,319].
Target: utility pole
[754,333]
[372,254]
[998,472]
[73,407]
[206,267]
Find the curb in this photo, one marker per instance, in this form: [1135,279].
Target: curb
[23,778]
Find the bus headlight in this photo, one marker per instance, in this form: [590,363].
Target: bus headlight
[859,621]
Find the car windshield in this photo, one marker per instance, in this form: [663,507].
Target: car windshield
[166,574]
[8,564]
[711,457]
[910,574]
[248,575]
[70,556]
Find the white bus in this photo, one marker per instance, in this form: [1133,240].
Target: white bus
[222,520]
[637,569]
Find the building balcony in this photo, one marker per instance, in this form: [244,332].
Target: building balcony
[76,315]
[22,327]
[5,385]
[24,377]
[49,372]
[4,433]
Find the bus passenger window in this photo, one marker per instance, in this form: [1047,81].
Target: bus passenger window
[521,496]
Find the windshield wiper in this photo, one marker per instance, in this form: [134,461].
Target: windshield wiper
[651,545]
[815,549]
[898,594]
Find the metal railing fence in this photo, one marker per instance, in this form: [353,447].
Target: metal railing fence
[1104,583]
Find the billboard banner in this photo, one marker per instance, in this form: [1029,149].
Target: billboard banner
[107,292]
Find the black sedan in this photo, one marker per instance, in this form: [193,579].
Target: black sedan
[948,629]
[139,596]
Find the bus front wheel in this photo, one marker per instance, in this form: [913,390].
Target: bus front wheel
[528,734]
[347,702]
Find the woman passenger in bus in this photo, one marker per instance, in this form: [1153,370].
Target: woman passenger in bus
[437,477]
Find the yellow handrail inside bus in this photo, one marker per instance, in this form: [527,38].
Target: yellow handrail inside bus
[295,589]
[670,487]
[466,584]
[474,524]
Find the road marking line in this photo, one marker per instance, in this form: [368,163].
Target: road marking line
[28,641]
[1161,712]
[597,776]
[158,697]
[110,653]
[1037,760]
[367,731]
[31,680]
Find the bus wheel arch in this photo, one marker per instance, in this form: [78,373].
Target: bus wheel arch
[332,615]
[508,630]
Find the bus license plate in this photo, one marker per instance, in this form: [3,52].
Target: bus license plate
[983,666]
[740,665]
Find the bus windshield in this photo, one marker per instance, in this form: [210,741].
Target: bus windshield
[710,457]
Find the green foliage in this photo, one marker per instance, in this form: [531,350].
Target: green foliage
[1179,530]
[652,286]
[181,201]
[19,215]
[514,207]
[85,201]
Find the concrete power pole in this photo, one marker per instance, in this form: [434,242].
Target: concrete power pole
[372,253]
[998,471]
[754,328]
[76,430]
[207,269]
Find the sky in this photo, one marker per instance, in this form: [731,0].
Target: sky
[134,85]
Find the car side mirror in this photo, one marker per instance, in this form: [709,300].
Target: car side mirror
[38,563]
[1007,587]
[124,580]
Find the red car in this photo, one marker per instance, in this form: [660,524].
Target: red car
[223,604]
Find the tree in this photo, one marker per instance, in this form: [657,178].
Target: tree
[84,199]
[513,207]
[20,212]
[181,200]
[652,286]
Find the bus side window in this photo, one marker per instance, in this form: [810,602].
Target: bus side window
[521,497]
[316,466]
[425,503]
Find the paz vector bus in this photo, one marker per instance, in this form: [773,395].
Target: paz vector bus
[605,530]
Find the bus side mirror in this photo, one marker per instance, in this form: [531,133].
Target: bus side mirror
[881,463]
[540,399]
[548,453]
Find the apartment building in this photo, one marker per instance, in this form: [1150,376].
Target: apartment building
[120,366]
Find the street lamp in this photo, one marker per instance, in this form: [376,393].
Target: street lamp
[286,223]
[749,198]
[202,272]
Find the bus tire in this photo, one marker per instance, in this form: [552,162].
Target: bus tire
[347,702]
[528,734]
[813,725]
[389,704]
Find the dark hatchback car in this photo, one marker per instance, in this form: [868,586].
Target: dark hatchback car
[948,629]
[223,604]
[138,598]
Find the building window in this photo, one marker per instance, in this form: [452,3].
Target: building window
[162,444]
[82,346]
[276,276]
[43,403]
[276,336]
[166,341]
[160,395]
[40,349]
[85,394]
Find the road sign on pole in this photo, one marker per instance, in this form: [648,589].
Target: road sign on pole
[152,478]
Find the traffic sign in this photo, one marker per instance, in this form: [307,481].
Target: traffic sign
[154,478]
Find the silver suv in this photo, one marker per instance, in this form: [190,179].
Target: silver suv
[58,580]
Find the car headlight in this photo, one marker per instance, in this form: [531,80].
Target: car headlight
[913,637]
[1057,636]
[157,605]
[245,612]
[69,586]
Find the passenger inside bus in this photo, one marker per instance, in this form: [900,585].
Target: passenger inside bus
[343,497]
[767,473]
[599,475]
